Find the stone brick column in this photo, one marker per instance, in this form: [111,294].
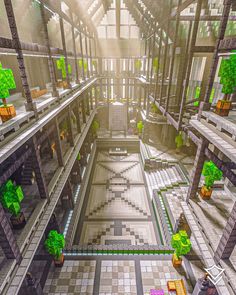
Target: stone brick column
[30,105]
[76,175]
[7,239]
[67,196]
[37,167]
[58,144]
[228,238]
[77,114]
[83,111]
[75,56]
[50,60]
[197,169]
[64,51]
[70,128]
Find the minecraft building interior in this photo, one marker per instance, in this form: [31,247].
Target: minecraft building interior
[118,147]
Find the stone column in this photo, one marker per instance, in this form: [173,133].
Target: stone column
[86,51]
[67,196]
[82,54]
[75,55]
[70,128]
[197,169]
[77,114]
[205,105]
[30,105]
[228,238]
[83,111]
[64,51]
[50,60]
[58,144]
[37,167]
[7,239]
[76,175]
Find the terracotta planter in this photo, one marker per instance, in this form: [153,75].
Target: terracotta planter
[37,93]
[59,262]
[7,112]
[223,107]
[18,221]
[177,262]
[205,193]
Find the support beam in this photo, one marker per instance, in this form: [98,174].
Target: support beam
[205,105]
[30,105]
[197,169]
[228,238]
[7,239]
[50,61]
[37,167]
[64,51]
[118,19]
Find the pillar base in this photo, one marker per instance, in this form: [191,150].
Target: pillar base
[30,106]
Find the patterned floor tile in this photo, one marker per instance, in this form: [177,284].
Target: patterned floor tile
[155,275]
[117,278]
[75,277]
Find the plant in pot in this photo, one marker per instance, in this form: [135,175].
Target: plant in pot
[227,74]
[211,173]
[10,197]
[95,127]
[61,65]
[54,244]
[138,64]
[7,82]
[80,63]
[140,127]
[155,64]
[179,141]
[94,63]
[154,109]
[182,245]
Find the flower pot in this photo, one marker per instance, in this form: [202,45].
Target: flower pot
[18,221]
[177,262]
[205,193]
[223,107]
[60,261]
[7,112]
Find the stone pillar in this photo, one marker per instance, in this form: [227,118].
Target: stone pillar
[83,154]
[30,105]
[91,98]
[70,128]
[58,144]
[7,239]
[50,61]
[228,238]
[76,173]
[86,51]
[83,111]
[82,54]
[204,287]
[52,225]
[64,51]
[67,196]
[77,114]
[37,167]
[75,55]
[33,286]
[197,169]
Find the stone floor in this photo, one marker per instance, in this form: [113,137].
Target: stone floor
[118,209]
[112,276]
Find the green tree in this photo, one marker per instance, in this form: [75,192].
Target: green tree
[7,82]
[11,196]
[95,127]
[181,243]
[138,64]
[54,244]
[179,140]
[62,66]
[140,126]
[227,74]
[211,173]
[80,63]
[155,63]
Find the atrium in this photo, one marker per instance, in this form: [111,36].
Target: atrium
[118,147]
